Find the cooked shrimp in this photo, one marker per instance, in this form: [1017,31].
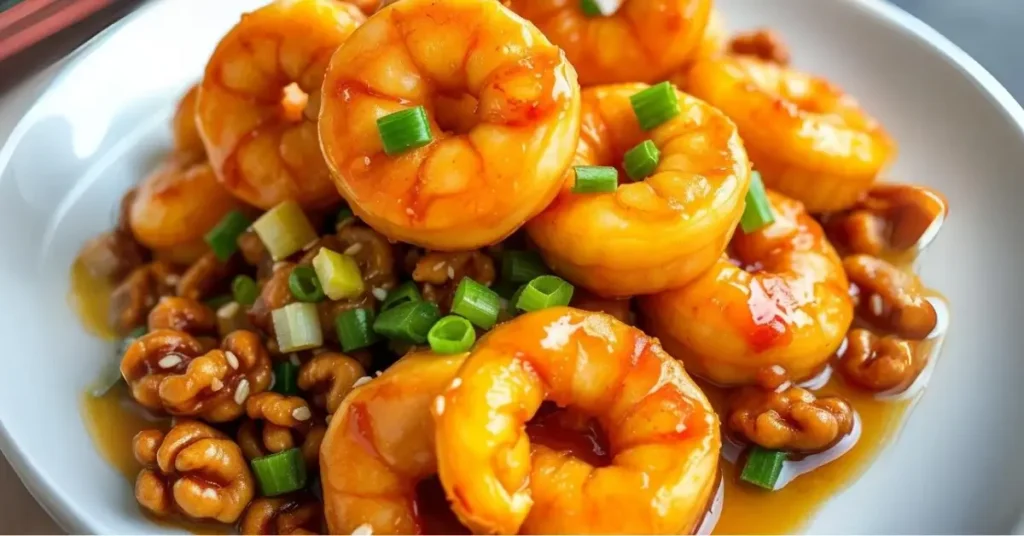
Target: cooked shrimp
[808,139]
[260,97]
[175,206]
[503,108]
[663,436]
[782,300]
[643,41]
[187,142]
[656,234]
[380,444]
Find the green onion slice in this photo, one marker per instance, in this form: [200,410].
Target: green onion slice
[223,238]
[590,8]
[451,335]
[641,161]
[280,473]
[338,274]
[355,329]
[244,290]
[404,130]
[655,105]
[408,322]
[405,293]
[763,467]
[286,377]
[522,266]
[297,327]
[595,179]
[758,212]
[544,292]
[305,285]
[476,303]
[284,230]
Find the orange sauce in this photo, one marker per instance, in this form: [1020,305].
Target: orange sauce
[90,298]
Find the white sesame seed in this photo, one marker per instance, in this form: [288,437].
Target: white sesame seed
[232,359]
[439,406]
[379,373]
[361,381]
[228,310]
[876,304]
[216,385]
[456,383]
[172,279]
[353,249]
[379,293]
[451,273]
[438,266]
[278,265]
[242,392]
[410,212]
[778,369]
[294,358]
[301,413]
[782,387]
[169,361]
[365,529]
[327,419]
[680,428]
[309,246]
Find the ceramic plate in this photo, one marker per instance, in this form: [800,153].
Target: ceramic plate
[103,120]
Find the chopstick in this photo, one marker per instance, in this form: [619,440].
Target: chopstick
[30,21]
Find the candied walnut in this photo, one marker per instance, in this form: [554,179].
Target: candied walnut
[171,371]
[182,314]
[329,377]
[205,277]
[112,255]
[621,309]
[292,514]
[762,43]
[878,363]
[793,419]
[889,298]
[440,273]
[287,411]
[891,219]
[372,252]
[260,438]
[253,251]
[131,301]
[192,469]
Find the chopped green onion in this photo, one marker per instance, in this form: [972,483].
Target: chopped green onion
[544,292]
[305,285]
[344,217]
[655,105]
[338,274]
[595,179]
[522,266]
[244,290]
[476,303]
[405,293]
[641,161]
[758,212]
[110,375]
[297,327]
[284,230]
[280,473]
[513,302]
[451,335]
[223,238]
[763,467]
[286,376]
[355,329]
[408,322]
[218,301]
[590,8]
[404,130]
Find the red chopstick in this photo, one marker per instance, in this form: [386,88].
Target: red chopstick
[31,21]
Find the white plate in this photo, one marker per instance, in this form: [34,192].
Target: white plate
[101,123]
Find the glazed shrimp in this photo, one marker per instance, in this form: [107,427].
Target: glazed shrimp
[175,206]
[655,234]
[663,436]
[380,444]
[643,41]
[782,300]
[808,139]
[187,142]
[503,108]
[260,97]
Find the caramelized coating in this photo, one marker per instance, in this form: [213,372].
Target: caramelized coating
[182,314]
[890,219]
[292,514]
[889,298]
[112,255]
[440,272]
[792,419]
[762,43]
[139,292]
[277,423]
[205,277]
[878,363]
[171,371]
[192,469]
[253,250]
[280,410]
[373,253]
[329,377]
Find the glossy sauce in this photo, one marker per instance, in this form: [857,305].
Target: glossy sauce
[90,298]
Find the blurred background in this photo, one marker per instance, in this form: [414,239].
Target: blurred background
[36,34]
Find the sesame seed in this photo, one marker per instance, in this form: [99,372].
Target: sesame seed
[438,266]
[232,359]
[172,279]
[439,406]
[278,265]
[785,385]
[456,383]
[353,249]
[451,273]
[294,358]
[410,211]
[228,310]
[273,381]
[310,245]
[242,392]
[301,413]
[680,428]
[216,385]
[170,361]
[379,293]
[361,381]
[327,419]
[363,530]
[876,305]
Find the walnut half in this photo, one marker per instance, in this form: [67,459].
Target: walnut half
[792,419]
